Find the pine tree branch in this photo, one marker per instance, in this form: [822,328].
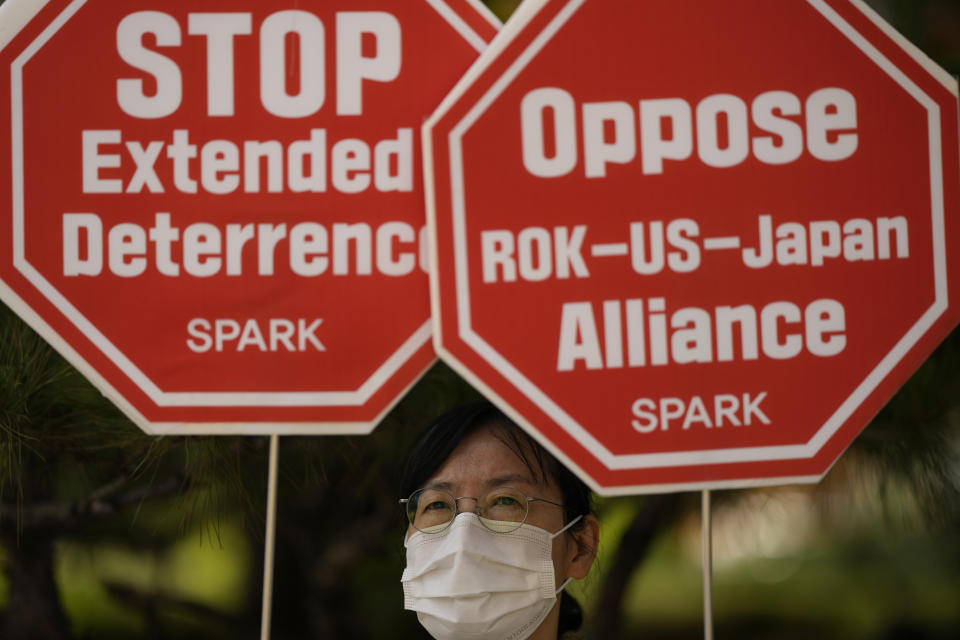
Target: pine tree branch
[150,605]
[102,502]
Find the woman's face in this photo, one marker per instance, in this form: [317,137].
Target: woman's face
[482,462]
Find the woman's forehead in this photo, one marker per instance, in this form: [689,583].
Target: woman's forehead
[483,460]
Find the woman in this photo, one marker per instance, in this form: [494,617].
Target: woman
[497,528]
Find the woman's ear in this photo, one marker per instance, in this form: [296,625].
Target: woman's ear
[583,552]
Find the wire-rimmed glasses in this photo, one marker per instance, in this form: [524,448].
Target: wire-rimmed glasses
[501,510]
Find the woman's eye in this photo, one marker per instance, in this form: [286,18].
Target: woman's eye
[505,501]
[436,505]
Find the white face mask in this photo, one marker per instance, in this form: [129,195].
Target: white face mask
[469,582]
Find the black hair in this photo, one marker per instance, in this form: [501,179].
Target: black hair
[440,439]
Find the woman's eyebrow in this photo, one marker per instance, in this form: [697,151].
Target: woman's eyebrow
[499,481]
[440,486]
[496,481]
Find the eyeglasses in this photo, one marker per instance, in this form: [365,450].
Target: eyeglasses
[501,510]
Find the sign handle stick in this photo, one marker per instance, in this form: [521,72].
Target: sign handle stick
[268,546]
[706,544]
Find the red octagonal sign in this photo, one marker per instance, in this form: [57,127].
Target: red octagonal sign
[214,208]
[695,244]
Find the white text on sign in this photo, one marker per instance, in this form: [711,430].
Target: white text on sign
[223,167]
[726,409]
[639,333]
[204,249]
[315,163]
[223,32]
[276,334]
[671,129]
[535,254]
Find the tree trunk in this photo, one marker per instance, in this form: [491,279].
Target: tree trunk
[656,513]
[33,609]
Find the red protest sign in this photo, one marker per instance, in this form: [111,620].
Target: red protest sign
[704,250]
[215,211]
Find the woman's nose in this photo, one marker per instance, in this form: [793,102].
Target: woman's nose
[471,504]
